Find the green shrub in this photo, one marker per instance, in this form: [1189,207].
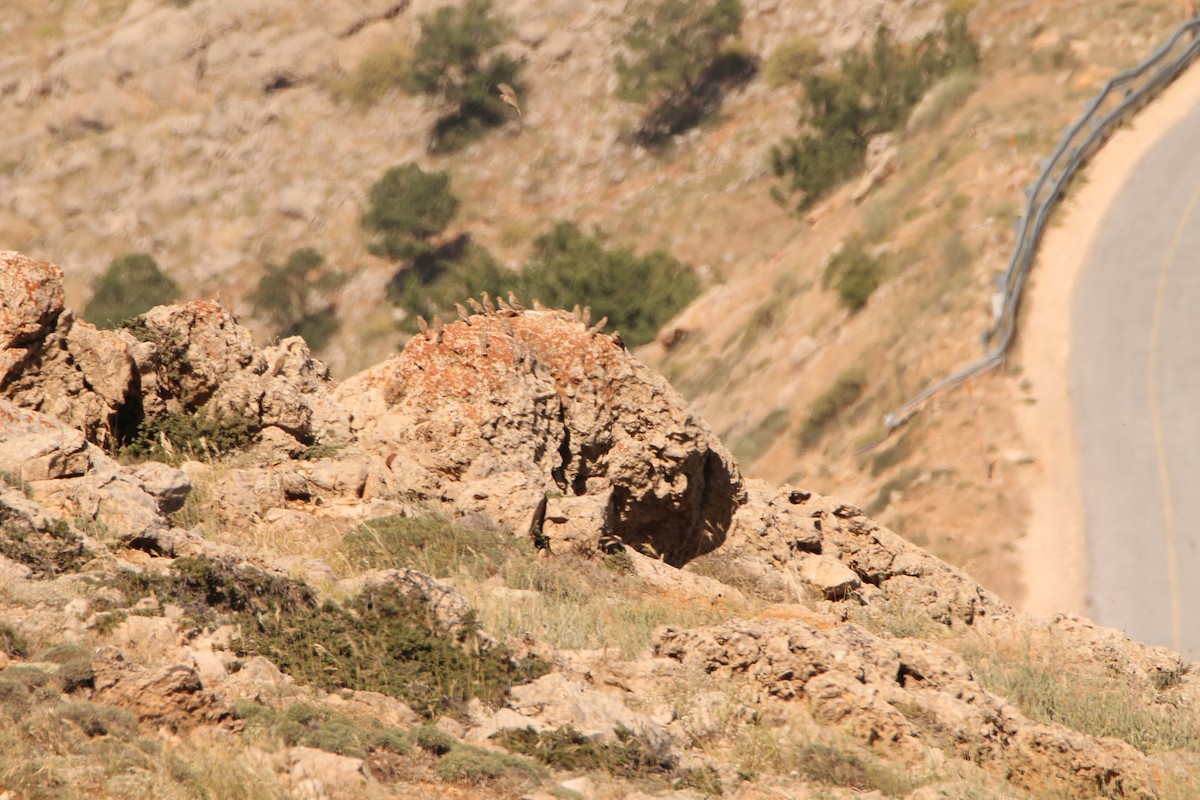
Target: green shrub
[870,93]
[177,435]
[791,60]
[290,297]
[828,407]
[680,62]
[456,59]
[638,294]
[475,765]
[433,740]
[307,725]
[384,69]
[408,207]
[855,274]
[132,285]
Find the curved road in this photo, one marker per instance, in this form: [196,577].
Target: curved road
[1135,384]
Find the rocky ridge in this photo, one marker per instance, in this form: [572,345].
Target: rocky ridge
[542,429]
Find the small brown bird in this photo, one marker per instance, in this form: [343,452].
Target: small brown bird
[487,302]
[462,311]
[599,326]
[514,302]
[422,325]
[475,305]
[509,95]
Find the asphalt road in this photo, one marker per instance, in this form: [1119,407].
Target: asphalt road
[1135,388]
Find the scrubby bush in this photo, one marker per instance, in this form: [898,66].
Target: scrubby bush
[308,725]
[791,61]
[175,436]
[855,274]
[291,296]
[457,60]
[679,62]
[132,285]
[870,93]
[638,294]
[408,208]
[828,407]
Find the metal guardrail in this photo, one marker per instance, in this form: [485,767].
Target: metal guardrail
[1125,93]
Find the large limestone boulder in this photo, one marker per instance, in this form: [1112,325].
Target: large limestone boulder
[531,418]
[53,362]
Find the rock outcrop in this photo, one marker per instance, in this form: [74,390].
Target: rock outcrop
[543,427]
[547,426]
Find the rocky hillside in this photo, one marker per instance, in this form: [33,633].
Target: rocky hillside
[507,562]
[221,137]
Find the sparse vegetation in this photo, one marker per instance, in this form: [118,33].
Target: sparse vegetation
[844,766]
[383,70]
[831,405]
[630,757]
[12,643]
[854,274]
[132,285]
[748,447]
[1037,673]
[791,60]
[379,641]
[431,544]
[868,94]
[52,550]
[292,296]
[457,59]
[16,482]
[680,62]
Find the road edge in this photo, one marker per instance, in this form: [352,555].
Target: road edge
[1053,552]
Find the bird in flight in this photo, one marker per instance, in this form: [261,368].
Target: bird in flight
[509,95]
